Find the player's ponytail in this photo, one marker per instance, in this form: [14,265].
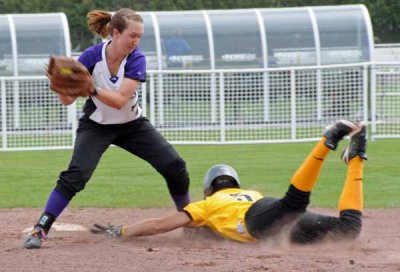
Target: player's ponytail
[103,23]
[97,21]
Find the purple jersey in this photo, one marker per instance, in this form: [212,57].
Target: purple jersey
[132,66]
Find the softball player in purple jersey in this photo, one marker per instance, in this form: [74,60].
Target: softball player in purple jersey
[112,115]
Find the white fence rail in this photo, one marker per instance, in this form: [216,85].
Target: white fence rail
[219,106]
[385,100]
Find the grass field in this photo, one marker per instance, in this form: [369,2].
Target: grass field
[123,180]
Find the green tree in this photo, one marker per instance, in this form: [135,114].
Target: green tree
[385,14]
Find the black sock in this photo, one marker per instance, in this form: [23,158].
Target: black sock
[45,221]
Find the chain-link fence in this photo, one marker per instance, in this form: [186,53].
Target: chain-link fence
[219,106]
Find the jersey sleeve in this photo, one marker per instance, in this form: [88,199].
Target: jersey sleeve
[197,213]
[135,67]
[90,57]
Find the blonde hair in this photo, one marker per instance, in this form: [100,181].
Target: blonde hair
[102,23]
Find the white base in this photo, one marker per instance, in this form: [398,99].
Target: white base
[59,229]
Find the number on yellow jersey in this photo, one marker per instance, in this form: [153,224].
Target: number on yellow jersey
[242,197]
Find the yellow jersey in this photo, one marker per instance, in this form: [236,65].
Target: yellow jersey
[224,213]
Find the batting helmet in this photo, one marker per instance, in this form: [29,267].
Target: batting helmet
[219,170]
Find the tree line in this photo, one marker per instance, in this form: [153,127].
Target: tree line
[385,14]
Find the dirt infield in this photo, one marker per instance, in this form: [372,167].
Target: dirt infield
[377,248]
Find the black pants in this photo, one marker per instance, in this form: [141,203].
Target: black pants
[268,216]
[139,137]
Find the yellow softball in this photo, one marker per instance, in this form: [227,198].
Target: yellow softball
[65,71]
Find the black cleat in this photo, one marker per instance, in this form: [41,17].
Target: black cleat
[335,132]
[357,146]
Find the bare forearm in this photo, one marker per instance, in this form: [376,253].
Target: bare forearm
[156,225]
[118,98]
[66,100]
[145,228]
[113,99]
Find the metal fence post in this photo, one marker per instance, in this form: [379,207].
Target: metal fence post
[3,114]
[222,106]
[293,104]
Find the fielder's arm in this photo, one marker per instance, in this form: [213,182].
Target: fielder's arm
[156,225]
[66,100]
[118,99]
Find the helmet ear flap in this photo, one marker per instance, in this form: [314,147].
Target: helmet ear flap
[209,191]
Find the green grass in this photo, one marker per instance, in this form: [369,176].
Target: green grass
[123,180]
